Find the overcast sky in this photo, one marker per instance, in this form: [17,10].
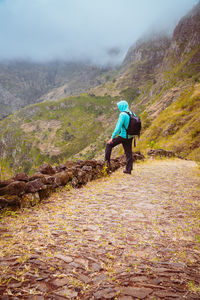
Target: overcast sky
[82,29]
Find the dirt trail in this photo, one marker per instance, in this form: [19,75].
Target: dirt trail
[121,237]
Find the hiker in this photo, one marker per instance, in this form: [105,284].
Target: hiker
[123,138]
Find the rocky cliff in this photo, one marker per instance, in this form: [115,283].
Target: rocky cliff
[185,42]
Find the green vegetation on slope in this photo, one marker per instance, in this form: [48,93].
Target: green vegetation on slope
[177,127]
[54,131]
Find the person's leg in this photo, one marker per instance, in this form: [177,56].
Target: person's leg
[127,145]
[116,141]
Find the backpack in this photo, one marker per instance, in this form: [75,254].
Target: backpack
[134,126]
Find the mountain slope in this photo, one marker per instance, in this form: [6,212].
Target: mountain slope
[8,103]
[55,131]
[177,127]
[31,82]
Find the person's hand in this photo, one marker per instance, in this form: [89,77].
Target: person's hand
[110,141]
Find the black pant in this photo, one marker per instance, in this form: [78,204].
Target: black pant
[127,145]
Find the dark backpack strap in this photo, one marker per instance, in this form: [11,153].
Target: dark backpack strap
[128,113]
[123,124]
[126,131]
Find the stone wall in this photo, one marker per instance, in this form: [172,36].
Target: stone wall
[23,191]
[161,153]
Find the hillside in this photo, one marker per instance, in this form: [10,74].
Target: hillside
[54,131]
[25,83]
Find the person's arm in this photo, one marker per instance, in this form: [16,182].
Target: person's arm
[117,127]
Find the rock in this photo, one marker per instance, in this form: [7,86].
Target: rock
[160,153]
[10,200]
[166,294]
[6,182]
[138,156]
[29,200]
[108,293]
[69,294]
[82,262]
[46,192]
[139,279]
[73,170]
[14,188]
[69,164]
[80,163]
[139,293]
[70,174]
[87,168]
[90,227]
[34,186]
[67,259]
[49,179]
[96,267]
[61,178]
[15,285]
[98,170]
[84,278]
[35,297]
[82,178]
[125,298]
[59,168]
[91,163]
[36,176]
[42,287]
[47,169]
[60,282]
[100,278]
[21,177]
[75,182]
[100,163]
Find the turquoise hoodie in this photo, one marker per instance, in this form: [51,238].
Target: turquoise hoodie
[123,120]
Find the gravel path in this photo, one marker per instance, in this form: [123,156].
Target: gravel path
[120,237]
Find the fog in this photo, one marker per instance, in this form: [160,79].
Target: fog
[99,31]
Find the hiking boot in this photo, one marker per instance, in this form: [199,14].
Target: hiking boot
[127,172]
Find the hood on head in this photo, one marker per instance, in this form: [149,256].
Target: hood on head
[123,105]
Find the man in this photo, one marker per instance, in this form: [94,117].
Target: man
[122,138]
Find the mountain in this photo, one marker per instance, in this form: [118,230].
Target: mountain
[24,83]
[159,78]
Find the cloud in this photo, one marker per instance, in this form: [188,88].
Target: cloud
[81,29]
